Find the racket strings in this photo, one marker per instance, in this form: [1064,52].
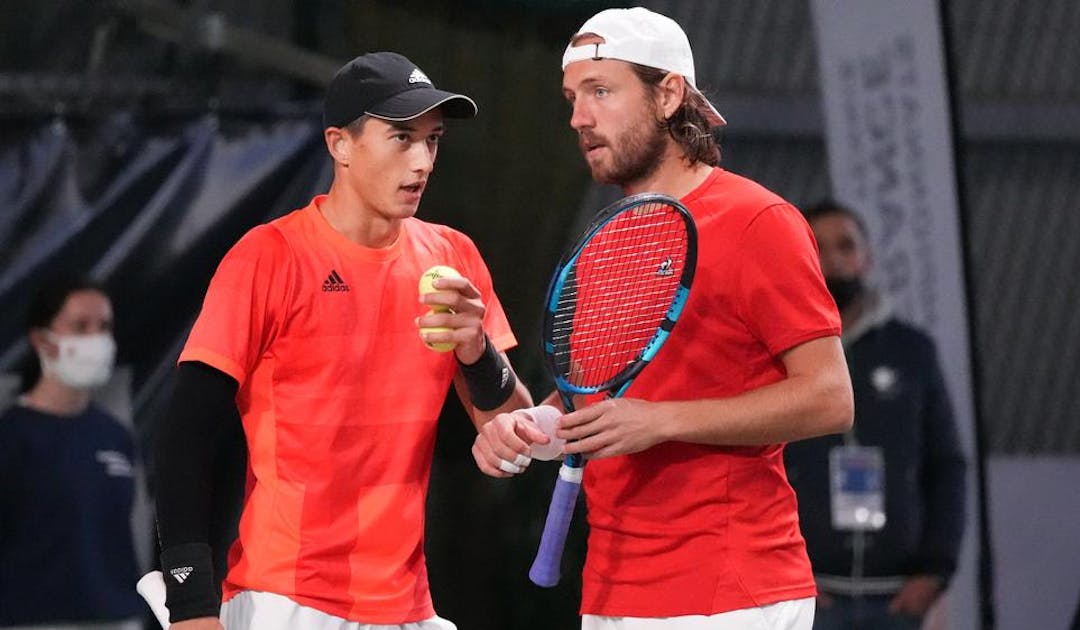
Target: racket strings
[618,293]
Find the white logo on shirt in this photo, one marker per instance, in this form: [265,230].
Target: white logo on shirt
[116,463]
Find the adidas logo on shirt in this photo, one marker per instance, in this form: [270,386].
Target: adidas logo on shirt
[181,573]
[334,283]
[418,76]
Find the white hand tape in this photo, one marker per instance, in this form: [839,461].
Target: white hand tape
[509,467]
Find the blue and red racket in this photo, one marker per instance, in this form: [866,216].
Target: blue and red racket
[612,303]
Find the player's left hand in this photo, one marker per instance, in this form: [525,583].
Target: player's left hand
[465,318]
[916,596]
[501,448]
[617,426]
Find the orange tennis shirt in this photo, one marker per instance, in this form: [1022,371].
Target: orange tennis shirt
[339,399]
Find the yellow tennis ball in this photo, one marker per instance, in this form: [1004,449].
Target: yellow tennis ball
[430,276]
[436,346]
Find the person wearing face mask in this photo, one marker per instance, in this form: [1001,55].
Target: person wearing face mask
[67,558]
[882,506]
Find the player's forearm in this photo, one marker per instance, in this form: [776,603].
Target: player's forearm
[519,399]
[183,466]
[796,408]
[190,434]
[490,386]
[554,400]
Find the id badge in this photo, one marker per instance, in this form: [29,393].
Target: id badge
[857,488]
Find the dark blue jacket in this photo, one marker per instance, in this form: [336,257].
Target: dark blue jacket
[902,406]
[66,490]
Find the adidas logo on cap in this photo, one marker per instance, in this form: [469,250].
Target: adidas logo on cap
[418,76]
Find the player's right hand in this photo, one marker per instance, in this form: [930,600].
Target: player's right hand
[199,623]
[501,448]
[456,317]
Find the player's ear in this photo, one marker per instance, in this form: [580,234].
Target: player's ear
[337,143]
[671,93]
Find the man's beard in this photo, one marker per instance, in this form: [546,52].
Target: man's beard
[635,155]
[845,290]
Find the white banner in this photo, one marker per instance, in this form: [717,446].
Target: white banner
[889,139]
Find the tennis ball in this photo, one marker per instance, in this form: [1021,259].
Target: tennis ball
[437,346]
[430,276]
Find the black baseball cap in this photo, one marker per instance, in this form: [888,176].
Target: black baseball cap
[387,85]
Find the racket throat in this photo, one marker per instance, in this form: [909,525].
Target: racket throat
[571,473]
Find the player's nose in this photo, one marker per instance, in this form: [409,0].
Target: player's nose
[581,116]
[422,158]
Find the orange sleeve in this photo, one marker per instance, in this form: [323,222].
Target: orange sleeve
[242,310]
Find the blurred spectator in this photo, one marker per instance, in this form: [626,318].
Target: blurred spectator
[881,507]
[67,482]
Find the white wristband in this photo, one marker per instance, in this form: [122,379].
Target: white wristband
[545,417]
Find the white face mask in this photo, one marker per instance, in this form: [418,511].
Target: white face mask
[83,361]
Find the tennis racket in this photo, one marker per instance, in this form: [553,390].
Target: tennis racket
[612,303]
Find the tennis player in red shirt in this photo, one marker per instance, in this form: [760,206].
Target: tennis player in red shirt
[309,329]
[692,523]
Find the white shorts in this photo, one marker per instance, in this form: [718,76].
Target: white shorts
[795,614]
[256,610]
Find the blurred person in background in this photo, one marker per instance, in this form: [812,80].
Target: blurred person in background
[901,464]
[67,483]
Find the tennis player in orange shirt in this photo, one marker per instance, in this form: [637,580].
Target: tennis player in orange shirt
[309,329]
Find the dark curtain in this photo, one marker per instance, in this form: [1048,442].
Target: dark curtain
[148,208]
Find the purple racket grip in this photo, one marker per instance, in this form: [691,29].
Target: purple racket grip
[545,568]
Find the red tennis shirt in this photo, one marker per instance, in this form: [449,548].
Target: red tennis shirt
[680,528]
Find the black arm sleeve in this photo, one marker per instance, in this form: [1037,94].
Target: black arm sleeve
[191,435]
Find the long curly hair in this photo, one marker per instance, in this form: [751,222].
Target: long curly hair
[688,126]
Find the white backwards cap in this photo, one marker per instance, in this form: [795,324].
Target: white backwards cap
[640,36]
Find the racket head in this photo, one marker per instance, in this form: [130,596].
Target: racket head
[617,293]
